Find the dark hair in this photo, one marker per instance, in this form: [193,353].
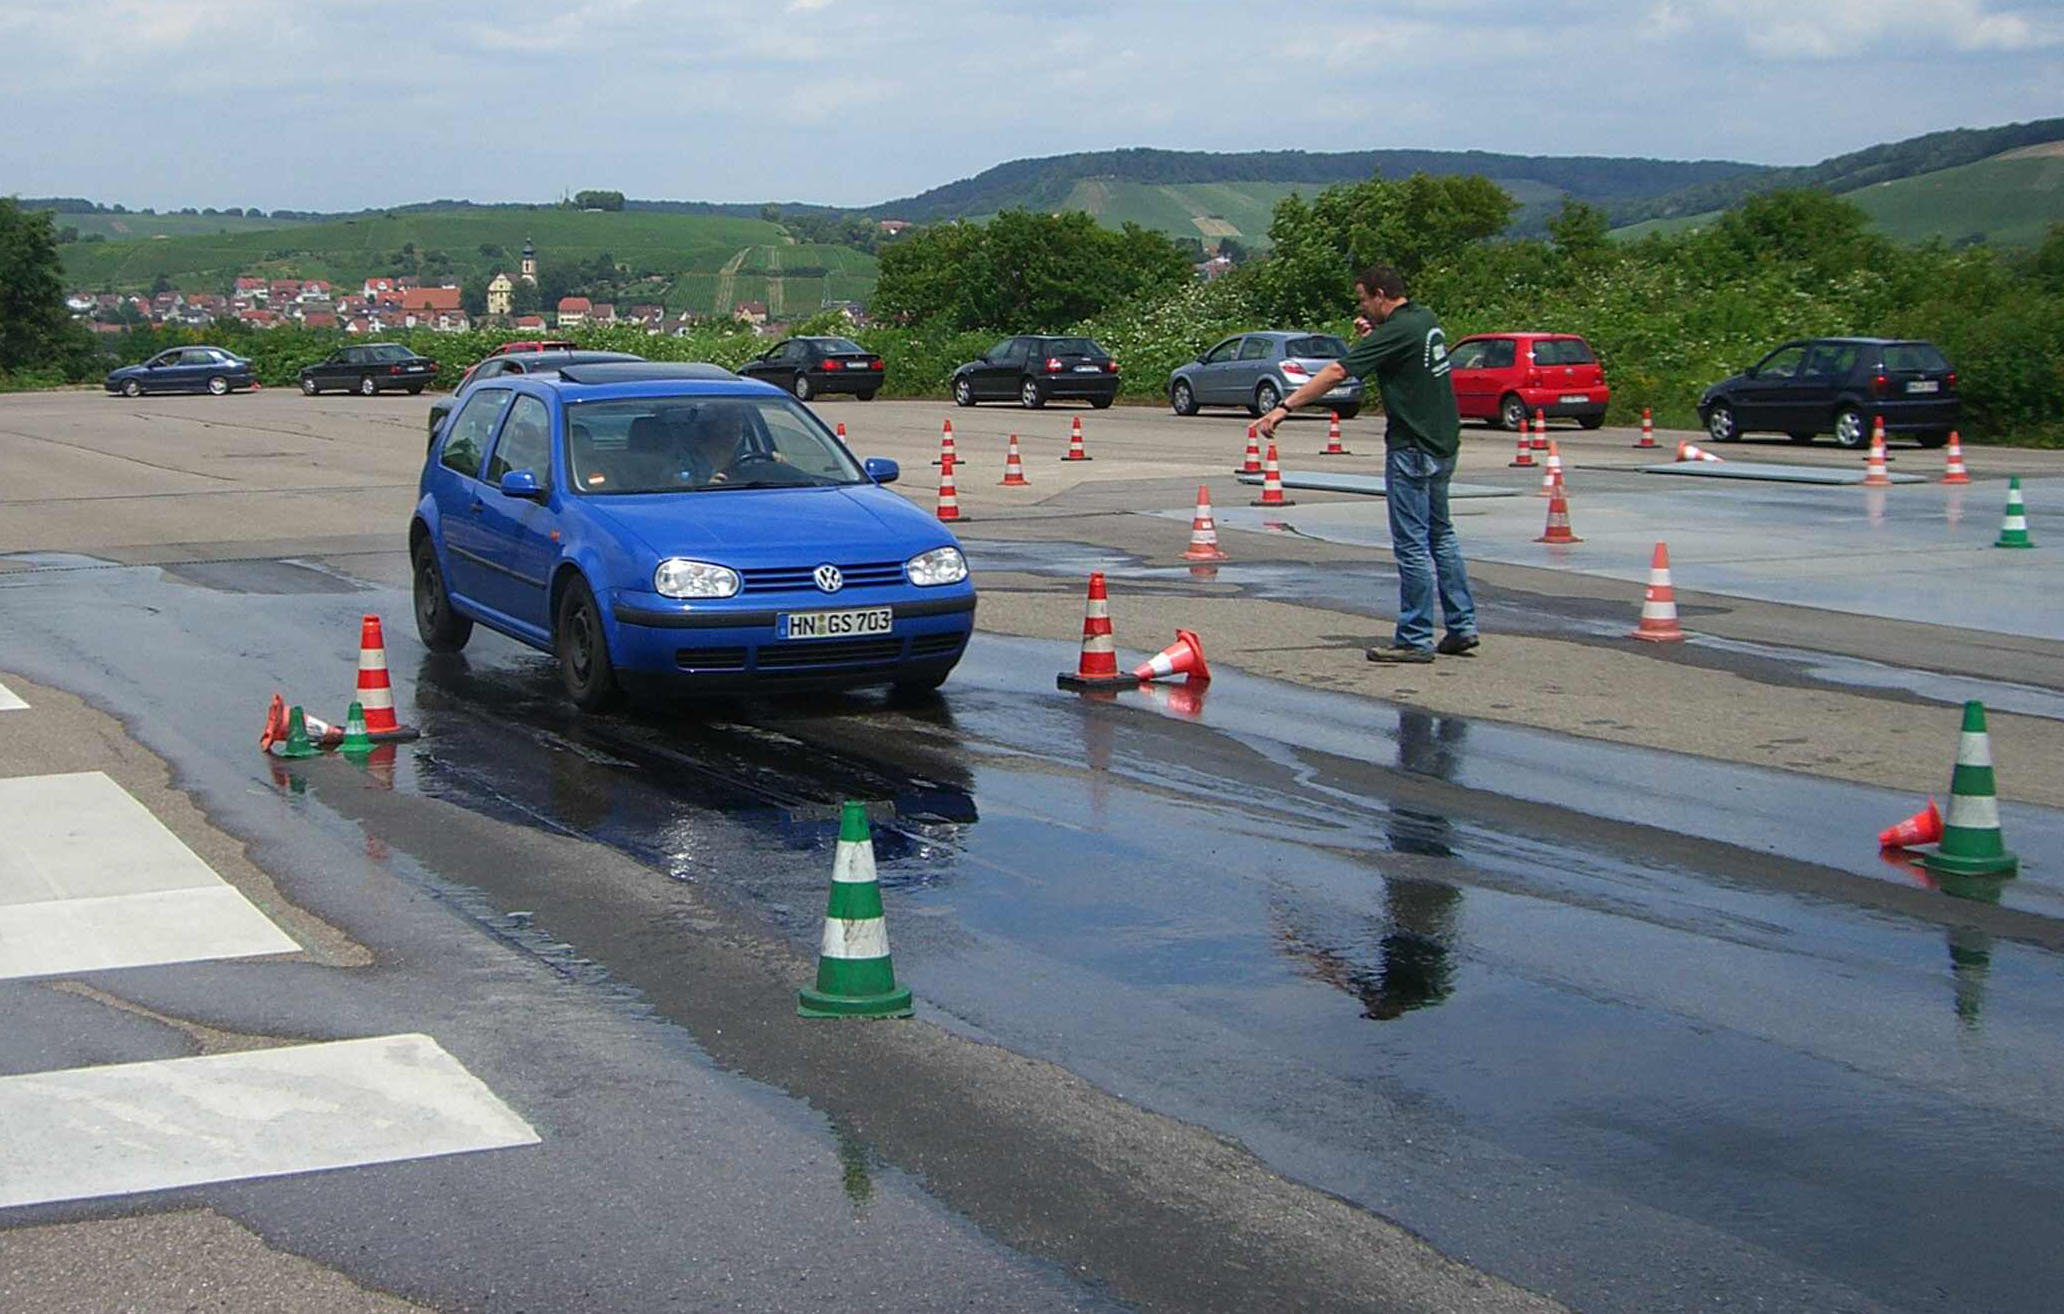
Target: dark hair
[1386,282]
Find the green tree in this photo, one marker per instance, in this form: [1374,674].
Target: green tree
[1023,272]
[35,330]
[524,299]
[2048,265]
[1580,231]
[599,200]
[1406,223]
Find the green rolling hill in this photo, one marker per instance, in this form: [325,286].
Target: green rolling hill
[2008,200]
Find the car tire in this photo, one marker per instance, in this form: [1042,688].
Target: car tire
[1720,425]
[1933,438]
[1348,412]
[1800,438]
[1266,398]
[1183,398]
[583,648]
[802,388]
[131,388]
[865,396]
[1101,403]
[368,386]
[963,392]
[1851,432]
[1030,395]
[1512,413]
[440,628]
[1590,421]
[309,387]
[416,390]
[218,386]
[916,685]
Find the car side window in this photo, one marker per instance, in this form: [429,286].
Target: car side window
[467,434]
[1222,353]
[525,444]
[1467,356]
[197,356]
[1257,348]
[1831,360]
[1782,363]
[1500,353]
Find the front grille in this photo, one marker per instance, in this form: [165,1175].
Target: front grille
[843,652]
[710,659]
[792,579]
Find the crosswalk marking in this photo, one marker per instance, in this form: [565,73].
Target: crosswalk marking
[132,1127]
[9,702]
[90,880]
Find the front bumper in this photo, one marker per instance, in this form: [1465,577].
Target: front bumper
[735,646]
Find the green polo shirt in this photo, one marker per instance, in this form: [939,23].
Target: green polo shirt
[1408,354]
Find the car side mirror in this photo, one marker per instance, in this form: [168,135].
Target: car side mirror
[882,470]
[523,484]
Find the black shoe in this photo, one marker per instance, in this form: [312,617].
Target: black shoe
[1401,656]
[1457,645]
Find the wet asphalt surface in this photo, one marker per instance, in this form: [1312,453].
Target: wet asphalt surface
[1637,1031]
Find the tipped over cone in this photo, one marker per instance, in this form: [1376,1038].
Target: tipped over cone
[1183,657]
[1923,827]
[275,723]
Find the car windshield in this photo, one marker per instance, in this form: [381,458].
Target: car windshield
[389,351]
[1073,347]
[1562,351]
[1914,358]
[1317,347]
[842,346]
[701,444]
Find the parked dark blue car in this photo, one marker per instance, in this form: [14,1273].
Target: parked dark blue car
[678,526]
[183,369]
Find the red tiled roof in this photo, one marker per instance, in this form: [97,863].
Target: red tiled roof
[430,298]
[581,304]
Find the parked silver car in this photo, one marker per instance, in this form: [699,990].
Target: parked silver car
[1257,370]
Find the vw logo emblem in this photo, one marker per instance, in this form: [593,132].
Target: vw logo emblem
[829,580]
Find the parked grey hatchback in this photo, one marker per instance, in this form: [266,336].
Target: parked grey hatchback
[1257,370]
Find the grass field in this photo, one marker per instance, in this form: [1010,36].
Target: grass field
[2008,200]
[132,227]
[1239,210]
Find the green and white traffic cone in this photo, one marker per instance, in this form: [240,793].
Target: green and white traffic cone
[357,743]
[1971,841]
[2014,529]
[855,976]
[297,743]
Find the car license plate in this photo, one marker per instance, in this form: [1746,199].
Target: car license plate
[835,624]
[1570,397]
[1924,385]
[415,369]
[1089,369]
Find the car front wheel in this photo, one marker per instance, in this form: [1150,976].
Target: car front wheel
[1720,423]
[963,392]
[802,389]
[1182,398]
[367,387]
[131,388]
[1850,430]
[584,665]
[1031,396]
[440,628]
[309,387]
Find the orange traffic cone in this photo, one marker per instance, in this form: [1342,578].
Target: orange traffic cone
[1953,472]
[275,730]
[1558,530]
[946,447]
[1333,447]
[375,691]
[949,497]
[1540,431]
[1874,475]
[1647,429]
[1014,467]
[1203,531]
[1075,452]
[1252,463]
[1272,482]
[1551,473]
[1524,458]
[1659,604]
[842,432]
[1692,452]
[1923,827]
[1098,667]
[1183,657]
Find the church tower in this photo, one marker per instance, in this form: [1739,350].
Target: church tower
[529,262]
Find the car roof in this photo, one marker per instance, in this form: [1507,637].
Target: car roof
[1529,334]
[613,380]
[564,356]
[1285,335]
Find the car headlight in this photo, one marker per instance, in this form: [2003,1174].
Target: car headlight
[939,566]
[678,577]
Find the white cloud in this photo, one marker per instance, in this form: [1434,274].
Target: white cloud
[1843,29]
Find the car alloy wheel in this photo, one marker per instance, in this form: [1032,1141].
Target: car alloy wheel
[963,393]
[131,388]
[1849,428]
[1512,414]
[1032,396]
[308,387]
[803,391]
[1720,423]
[217,386]
[1266,398]
[366,386]
[1184,400]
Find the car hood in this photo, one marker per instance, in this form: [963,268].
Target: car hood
[125,371]
[773,526]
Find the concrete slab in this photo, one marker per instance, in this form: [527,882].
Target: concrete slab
[1783,474]
[92,1132]
[1370,485]
[9,701]
[90,880]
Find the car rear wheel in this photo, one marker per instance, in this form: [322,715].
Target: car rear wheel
[1590,421]
[218,386]
[584,665]
[415,390]
[1183,398]
[131,388]
[309,387]
[1936,438]
[1512,413]
[1850,430]
[802,389]
[1266,398]
[1031,396]
[865,396]
[1720,423]
[440,628]
[963,392]
[1102,403]
[367,386]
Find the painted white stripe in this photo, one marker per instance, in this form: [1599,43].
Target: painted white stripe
[90,880]
[9,702]
[372,698]
[1974,749]
[372,659]
[1161,664]
[1659,611]
[1098,643]
[132,1127]
[854,861]
[2014,521]
[1973,812]
[863,939]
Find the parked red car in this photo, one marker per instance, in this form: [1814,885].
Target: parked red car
[1505,377]
[534,344]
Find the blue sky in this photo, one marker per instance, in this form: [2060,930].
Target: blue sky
[321,105]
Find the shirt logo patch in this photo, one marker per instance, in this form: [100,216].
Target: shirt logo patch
[1436,352]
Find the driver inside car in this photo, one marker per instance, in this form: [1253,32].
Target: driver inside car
[719,443]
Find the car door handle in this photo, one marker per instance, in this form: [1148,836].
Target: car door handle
[477,507]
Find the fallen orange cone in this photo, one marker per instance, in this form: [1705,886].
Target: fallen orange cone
[1923,827]
[1183,657]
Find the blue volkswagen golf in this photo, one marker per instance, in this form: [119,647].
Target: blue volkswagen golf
[677,526]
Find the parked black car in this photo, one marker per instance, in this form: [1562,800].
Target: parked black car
[183,369]
[1035,370]
[1838,386]
[810,366]
[504,362]
[373,368]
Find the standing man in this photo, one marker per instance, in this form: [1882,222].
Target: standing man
[1403,346]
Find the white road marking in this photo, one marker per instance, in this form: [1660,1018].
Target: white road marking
[131,1127]
[9,702]
[90,880]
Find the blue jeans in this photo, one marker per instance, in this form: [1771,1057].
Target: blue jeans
[1423,540]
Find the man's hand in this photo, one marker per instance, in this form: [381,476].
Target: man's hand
[1271,419]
